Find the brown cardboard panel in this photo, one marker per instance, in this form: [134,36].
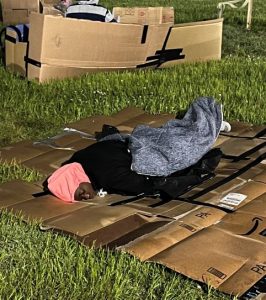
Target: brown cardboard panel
[170,209]
[20,4]
[81,144]
[242,195]
[248,275]
[147,246]
[217,255]
[255,207]
[89,219]
[48,9]
[261,177]
[22,151]
[179,210]
[123,231]
[229,168]
[128,113]
[94,123]
[50,161]
[17,15]
[46,72]
[233,165]
[232,195]
[61,140]
[144,15]
[16,191]
[45,207]
[242,223]
[125,51]
[237,146]
[220,140]
[256,173]
[14,54]
[246,130]
[237,129]
[255,130]
[211,194]
[199,41]
[148,119]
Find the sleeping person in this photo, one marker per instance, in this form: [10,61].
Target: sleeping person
[166,160]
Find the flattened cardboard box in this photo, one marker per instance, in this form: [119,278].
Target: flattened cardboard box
[226,250]
[51,54]
[18,11]
[144,15]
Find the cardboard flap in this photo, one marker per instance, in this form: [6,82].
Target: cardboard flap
[198,41]
[20,4]
[89,219]
[212,265]
[45,207]
[144,15]
[16,191]
[124,231]
[190,223]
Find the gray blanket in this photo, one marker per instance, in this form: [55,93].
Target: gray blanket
[179,143]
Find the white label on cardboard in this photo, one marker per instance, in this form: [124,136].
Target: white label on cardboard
[233,199]
[225,206]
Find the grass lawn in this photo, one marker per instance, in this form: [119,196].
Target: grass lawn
[36,265]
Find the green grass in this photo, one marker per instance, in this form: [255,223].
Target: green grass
[36,265]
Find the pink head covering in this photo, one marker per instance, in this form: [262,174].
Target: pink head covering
[65,180]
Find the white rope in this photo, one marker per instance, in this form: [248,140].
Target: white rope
[233,4]
[221,5]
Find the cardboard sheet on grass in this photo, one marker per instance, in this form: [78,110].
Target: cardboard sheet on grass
[109,46]
[215,233]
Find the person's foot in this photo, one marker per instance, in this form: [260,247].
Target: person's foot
[226,127]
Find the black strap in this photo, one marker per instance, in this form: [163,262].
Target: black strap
[225,180]
[163,55]
[4,37]
[32,61]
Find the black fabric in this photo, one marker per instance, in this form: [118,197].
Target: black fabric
[87,16]
[107,164]
[106,130]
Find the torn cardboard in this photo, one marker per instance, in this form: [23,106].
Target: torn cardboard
[144,15]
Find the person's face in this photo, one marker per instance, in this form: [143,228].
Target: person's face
[85,191]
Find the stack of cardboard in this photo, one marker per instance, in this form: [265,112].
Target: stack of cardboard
[144,38]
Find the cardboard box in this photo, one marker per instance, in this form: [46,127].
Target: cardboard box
[15,53]
[199,41]
[144,15]
[114,47]
[51,46]
[133,46]
[18,11]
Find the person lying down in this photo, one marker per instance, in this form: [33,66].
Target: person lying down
[167,160]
